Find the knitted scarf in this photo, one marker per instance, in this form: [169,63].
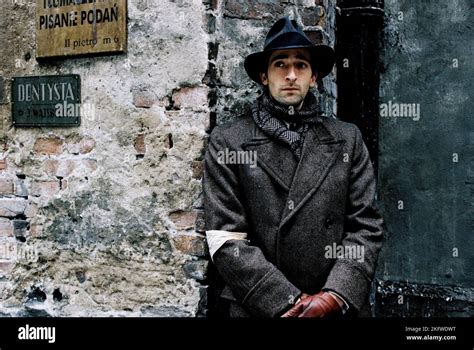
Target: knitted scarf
[270,116]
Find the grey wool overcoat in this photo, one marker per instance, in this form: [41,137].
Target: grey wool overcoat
[291,212]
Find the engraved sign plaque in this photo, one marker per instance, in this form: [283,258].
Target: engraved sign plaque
[46,100]
[79,27]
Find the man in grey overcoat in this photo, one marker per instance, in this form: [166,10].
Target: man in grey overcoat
[289,194]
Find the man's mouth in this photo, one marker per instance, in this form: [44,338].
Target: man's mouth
[290,89]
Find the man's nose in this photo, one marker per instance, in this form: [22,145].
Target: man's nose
[291,75]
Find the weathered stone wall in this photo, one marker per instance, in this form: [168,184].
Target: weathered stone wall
[426,166]
[106,218]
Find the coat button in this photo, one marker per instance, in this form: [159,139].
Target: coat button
[328,223]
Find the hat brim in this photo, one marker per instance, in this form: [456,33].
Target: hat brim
[323,58]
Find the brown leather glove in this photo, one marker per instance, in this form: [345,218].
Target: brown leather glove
[319,305]
[293,312]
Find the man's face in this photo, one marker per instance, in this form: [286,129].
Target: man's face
[289,76]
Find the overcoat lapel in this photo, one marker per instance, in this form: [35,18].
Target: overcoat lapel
[275,158]
[320,151]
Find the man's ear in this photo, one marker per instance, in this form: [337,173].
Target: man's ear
[263,78]
[313,80]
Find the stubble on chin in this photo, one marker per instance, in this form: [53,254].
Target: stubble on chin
[289,102]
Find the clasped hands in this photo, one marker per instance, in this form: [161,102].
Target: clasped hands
[319,305]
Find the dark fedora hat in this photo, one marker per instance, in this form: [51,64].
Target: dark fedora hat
[286,34]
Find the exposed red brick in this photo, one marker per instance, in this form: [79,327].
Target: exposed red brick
[90,164]
[86,145]
[11,207]
[6,187]
[139,144]
[65,167]
[50,166]
[31,210]
[144,99]
[183,220]
[3,164]
[48,145]
[192,244]
[6,267]
[6,228]
[45,188]
[61,168]
[190,97]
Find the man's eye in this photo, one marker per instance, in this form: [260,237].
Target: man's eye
[301,65]
[279,64]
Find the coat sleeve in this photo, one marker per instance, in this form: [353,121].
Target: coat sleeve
[363,228]
[256,283]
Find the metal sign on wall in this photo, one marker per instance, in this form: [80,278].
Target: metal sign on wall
[46,100]
[79,27]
